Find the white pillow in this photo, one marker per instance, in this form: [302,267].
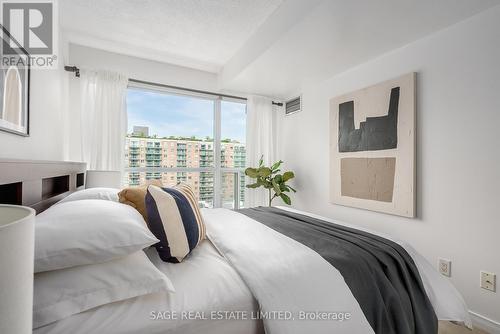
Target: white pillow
[61,293]
[108,194]
[88,231]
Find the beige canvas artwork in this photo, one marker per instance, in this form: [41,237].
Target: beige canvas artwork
[372,147]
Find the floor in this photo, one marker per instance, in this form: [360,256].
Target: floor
[446,327]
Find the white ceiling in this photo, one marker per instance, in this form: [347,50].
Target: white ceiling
[268,47]
[202,34]
[338,35]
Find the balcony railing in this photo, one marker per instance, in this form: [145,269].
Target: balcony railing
[229,192]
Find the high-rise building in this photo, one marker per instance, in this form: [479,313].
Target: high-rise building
[141,151]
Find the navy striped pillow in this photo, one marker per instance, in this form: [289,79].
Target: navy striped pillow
[175,219]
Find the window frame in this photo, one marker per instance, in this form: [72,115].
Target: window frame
[217,170]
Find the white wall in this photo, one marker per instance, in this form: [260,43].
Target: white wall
[458,154]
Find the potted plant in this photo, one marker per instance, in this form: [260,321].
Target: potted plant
[270,179]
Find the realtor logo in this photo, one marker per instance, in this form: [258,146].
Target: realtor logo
[29,28]
[30,24]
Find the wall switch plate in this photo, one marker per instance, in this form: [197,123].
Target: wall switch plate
[444,267]
[488,281]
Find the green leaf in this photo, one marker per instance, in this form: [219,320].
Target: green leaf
[278,178]
[286,199]
[264,171]
[287,176]
[292,189]
[251,172]
[253,185]
[276,187]
[261,160]
[276,171]
[276,165]
[267,184]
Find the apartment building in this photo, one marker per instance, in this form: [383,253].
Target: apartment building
[149,153]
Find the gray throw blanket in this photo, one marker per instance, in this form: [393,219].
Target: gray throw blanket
[380,273]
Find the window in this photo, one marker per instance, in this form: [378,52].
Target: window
[233,153]
[175,136]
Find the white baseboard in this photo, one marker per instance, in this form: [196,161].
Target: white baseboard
[484,323]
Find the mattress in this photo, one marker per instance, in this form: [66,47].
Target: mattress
[204,283]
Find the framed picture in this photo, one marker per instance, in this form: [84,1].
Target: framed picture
[372,147]
[14,88]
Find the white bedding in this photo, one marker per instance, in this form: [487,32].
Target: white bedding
[286,276]
[206,282]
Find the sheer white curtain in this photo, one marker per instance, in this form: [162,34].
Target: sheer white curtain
[260,141]
[103,119]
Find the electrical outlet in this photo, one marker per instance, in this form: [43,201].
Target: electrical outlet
[444,267]
[488,281]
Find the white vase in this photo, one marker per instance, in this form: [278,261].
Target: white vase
[16,269]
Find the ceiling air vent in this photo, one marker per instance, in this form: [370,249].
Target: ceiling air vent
[294,105]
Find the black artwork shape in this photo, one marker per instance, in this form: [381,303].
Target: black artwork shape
[376,133]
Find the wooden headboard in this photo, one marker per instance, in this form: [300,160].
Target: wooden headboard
[39,184]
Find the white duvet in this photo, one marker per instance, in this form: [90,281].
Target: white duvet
[286,276]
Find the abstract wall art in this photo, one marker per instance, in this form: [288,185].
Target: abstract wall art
[372,147]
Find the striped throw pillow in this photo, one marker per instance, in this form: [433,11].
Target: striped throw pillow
[175,219]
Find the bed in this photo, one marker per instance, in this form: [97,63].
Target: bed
[210,293]
[247,277]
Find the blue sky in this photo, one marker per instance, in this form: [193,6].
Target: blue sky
[174,115]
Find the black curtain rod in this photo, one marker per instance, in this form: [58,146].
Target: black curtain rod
[76,70]
[73,69]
